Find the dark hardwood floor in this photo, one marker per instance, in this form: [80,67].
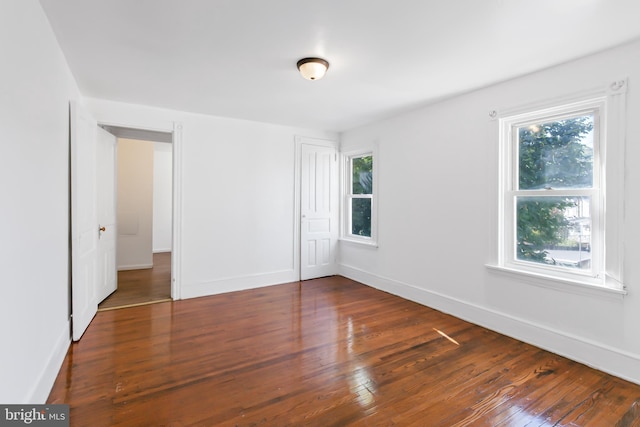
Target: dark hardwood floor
[142,286]
[326,352]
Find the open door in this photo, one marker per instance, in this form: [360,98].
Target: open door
[319,211]
[84,220]
[106,192]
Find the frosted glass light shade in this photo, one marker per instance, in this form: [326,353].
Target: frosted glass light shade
[313,68]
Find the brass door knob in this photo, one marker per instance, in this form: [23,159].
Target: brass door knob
[103,228]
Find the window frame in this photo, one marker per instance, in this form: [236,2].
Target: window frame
[607,191]
[512,192]
[348,196]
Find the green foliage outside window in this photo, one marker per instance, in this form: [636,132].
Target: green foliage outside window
[553,155]
[362,183]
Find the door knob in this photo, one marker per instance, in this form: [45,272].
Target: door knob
[103,228]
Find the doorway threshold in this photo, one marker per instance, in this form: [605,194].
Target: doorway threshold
[135,305]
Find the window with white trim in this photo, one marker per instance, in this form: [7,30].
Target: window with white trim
[359,197]
[552,206]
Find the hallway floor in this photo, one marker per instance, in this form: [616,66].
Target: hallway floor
[138,287]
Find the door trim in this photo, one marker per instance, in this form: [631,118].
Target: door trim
[176,214]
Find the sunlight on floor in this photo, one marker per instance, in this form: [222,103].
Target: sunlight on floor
[446,336]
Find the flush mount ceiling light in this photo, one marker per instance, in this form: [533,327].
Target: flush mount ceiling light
[313,68]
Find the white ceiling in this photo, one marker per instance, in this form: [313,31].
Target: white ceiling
[237,58]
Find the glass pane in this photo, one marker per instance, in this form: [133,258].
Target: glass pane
[554,231]
[557,154]
[362,175]
[361,217]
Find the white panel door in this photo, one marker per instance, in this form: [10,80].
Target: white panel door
[84,220]
[106,191]
[318,211]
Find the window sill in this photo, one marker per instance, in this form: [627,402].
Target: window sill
[559,283]
[359,242]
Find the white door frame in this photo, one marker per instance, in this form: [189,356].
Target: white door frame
[176,214]
[297,235]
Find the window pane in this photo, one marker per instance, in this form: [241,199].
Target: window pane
[362,175]
[554,231]
[556,154]
[361,217]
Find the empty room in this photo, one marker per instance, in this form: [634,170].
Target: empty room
[376,213]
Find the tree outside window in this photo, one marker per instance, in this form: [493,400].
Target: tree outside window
[361,198]
[554,188]
[359,187]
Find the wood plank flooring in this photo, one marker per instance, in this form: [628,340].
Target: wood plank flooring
[142,286]
[325,352]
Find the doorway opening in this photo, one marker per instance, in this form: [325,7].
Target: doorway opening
[143,200]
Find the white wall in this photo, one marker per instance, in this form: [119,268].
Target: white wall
[35,88]
[236,197]
[135,204]
[162,184]
[437,219]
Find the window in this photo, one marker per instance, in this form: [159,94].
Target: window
[553,197]
[360,203]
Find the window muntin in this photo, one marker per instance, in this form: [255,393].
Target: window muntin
[359,215]
[553,200]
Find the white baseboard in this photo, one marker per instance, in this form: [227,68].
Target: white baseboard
[605,358]
[42,389]
[240,283]
[135,267]
[161,251]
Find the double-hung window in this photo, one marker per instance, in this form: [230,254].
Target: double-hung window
[553,203]
[359,202]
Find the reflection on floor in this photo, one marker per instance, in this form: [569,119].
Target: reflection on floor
[137,287]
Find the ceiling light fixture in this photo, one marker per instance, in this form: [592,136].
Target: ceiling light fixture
[313,68]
